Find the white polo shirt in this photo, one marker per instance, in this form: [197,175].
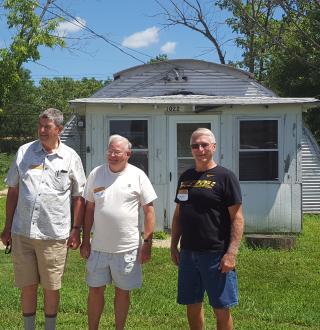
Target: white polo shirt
[46,183]
[117,198]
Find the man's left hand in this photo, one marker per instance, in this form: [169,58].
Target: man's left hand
[145,252]
[74,239]
[228,262]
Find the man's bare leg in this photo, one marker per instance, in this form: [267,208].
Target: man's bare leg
[95,306]
[121,307]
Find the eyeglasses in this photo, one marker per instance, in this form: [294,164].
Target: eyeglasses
[202,145]
[115,153]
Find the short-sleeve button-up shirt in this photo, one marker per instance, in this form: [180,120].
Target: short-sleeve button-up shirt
[46,184]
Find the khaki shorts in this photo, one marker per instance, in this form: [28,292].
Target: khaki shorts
[38,261]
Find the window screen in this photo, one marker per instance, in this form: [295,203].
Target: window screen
[136,131]
[258,153]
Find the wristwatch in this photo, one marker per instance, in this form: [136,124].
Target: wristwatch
[147,240]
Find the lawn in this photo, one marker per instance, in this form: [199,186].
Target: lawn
[277,290]
[5,161]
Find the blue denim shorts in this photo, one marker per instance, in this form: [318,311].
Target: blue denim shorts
[199,273]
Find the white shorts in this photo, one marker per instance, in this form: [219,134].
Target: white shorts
[123,269]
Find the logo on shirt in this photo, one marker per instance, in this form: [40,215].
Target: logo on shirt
[206,184]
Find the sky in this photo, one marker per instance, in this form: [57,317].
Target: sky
[133,25]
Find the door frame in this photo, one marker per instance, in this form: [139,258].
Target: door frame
[172,122]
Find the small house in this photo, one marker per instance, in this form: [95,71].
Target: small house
[157,107]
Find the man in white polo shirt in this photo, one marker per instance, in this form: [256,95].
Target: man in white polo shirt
[114,193]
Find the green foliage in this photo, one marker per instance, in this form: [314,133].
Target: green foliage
[294,69]
[57,92]
[33,28]
[19,119]
[257,31]
[159,58]
[5,162]
[160,235]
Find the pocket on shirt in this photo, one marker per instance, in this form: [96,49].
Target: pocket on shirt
[61,182]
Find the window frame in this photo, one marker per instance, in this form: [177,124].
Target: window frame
[148,150]
[279,149]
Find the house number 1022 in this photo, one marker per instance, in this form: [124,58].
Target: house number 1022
[173,108]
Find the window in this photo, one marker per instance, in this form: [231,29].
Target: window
[136,131]
[184,155]
[258,152]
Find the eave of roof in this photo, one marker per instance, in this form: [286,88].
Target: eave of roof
[200,100]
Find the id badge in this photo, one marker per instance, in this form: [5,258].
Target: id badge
[182,195]
[99,192]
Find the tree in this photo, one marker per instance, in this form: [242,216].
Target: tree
[32,30]
[257,32]
[57,92]
[294,70]
[159,58]
[20,116]
[194,16]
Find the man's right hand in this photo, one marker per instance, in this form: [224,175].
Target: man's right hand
[85,250]
[6,236]
[175,255]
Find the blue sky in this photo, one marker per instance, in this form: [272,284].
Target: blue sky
[129,23]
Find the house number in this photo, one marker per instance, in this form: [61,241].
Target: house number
[173,108]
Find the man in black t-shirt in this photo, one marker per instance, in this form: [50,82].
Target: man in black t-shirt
[208,222]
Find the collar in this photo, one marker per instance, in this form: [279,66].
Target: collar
[60,152]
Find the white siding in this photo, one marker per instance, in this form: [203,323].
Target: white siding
[272,207]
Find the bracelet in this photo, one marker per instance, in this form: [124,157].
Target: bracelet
[147,240]
[76,227]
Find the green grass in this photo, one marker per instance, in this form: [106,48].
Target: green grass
[277,290]
[160,235]
[5,161]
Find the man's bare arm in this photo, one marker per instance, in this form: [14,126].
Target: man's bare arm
[11,204]
[228,261]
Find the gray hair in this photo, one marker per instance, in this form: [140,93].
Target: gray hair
[53,114]
[117,137]
[203,131]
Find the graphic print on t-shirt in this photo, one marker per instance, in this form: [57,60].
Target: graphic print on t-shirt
[207,184]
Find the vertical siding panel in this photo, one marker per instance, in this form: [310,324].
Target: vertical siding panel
[159,162]
[227,142]
[296,207]
[89,144]
[98,139]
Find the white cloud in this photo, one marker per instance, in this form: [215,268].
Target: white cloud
[169,47]
[142,39]
[65,28]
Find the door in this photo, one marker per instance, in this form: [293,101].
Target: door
[179,152]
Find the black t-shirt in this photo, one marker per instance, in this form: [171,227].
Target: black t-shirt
[204,198]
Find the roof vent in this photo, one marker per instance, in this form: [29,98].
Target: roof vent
[175,75]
